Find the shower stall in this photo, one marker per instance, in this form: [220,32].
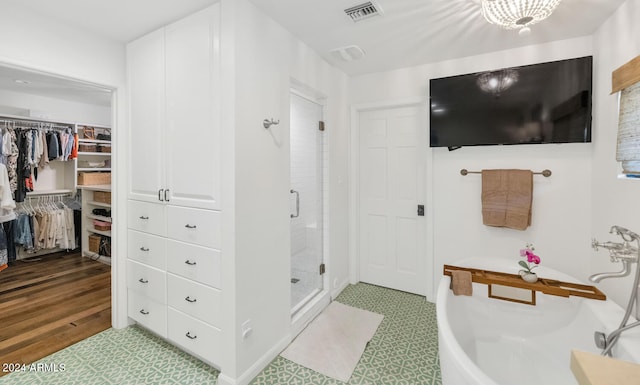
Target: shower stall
[307,198]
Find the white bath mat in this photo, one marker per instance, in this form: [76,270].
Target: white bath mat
[333,343]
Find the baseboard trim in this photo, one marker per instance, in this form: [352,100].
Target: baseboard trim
[255,369]
[309,313]
[336,292]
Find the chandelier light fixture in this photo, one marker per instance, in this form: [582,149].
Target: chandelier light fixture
[496,82]
[517,14]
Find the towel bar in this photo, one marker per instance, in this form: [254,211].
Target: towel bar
[545,173]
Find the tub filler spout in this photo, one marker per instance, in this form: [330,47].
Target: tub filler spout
[618,274]
[626,253]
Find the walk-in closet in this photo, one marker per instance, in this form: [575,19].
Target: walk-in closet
[55,210]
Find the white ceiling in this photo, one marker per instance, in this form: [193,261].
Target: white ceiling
[413,32]
[120,20]
[409,33]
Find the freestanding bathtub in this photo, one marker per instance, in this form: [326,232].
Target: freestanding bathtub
[486,341]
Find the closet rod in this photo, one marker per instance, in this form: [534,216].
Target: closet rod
[545,173]
[35,124]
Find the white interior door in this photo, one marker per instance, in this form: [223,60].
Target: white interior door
[392,169]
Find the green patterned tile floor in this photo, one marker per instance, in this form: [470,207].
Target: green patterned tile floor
[131,356]
[404,351]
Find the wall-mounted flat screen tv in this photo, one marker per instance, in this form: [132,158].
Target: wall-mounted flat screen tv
[539,103]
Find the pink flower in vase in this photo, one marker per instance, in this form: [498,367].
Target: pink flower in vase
[531,258]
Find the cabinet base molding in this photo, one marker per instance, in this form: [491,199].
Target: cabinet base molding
[258,366]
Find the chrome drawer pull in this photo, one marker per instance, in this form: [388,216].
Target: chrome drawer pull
[144,312]
[142,280]
[144,249]
[190,226]
[190,263]
[188,299]
[190,336]
[144,217]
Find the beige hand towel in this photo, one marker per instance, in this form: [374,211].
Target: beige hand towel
[506,198]
[461,282]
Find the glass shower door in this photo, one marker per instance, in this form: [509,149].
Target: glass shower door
[306,197]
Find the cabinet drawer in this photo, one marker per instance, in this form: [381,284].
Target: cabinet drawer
[146,248]
[147,281]
[147,217]
[147,312]
[194,336]
[194,299]
[201,227]
[194,262]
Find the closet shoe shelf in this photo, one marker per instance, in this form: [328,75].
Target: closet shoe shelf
[105,233]
[543,285]
[99,217]
[94,168]
[94,153]
[94,141]
[100,204]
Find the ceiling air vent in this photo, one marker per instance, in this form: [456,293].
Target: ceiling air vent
[348,53]
[363,11]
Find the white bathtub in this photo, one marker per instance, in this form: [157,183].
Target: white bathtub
[485,341]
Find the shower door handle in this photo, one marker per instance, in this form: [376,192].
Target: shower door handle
[297,214]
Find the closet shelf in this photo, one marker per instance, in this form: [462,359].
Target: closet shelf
[94,141]
[99,217]
[94,168]
[95,187]
[102,258]
[49,192]
[100,204]
[95,153]
[105,233]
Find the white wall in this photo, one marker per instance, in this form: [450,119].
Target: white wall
[31,41]
[615,202]
[561,204]
[267,60]
[55,109]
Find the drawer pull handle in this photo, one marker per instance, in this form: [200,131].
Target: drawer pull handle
[189,299]
[190,226]
[142,280]
[144,217]
[144,249]
[189,336]
[143,312]
[190,263]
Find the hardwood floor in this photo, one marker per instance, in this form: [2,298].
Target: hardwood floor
[50,304]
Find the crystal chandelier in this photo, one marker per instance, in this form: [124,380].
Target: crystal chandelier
[497,82]
[517,14]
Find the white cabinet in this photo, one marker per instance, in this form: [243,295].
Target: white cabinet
[174,219]
[174,142]
[145,78]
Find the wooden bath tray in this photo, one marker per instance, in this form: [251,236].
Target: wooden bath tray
[543,285]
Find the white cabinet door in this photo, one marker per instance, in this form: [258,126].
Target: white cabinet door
[192,110]
[146,73]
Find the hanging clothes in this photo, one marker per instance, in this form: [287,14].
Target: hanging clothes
[7,217]
[45,225]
